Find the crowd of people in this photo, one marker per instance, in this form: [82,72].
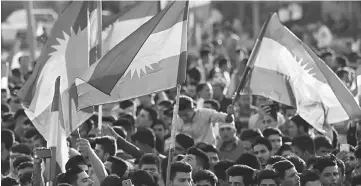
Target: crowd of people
[254,141]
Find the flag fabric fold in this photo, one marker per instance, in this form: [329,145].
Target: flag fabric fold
[289,72]
[151,59]
[66,54]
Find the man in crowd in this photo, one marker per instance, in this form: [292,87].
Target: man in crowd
[205,178]
[180,174]
[287,172]
[197,159]
[262,148]
[230,147]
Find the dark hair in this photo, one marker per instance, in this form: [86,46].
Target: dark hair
[268,174]
[34,133]
[299,164]
[325,54]
[325,161]
[309,175]
[21,159]
[262,141]
[108,144]
[250,160]
[179,166]
[200,155]
[119,166]
[21,149]
[166,103]
[185,103]
[145,136]
[221,167]
[19,113]
[112,180]
[214,103]
[150,158]
[184,140]
[141,177]
[250,134]
[201,86]
[282,166]
[26,178]
[125,104]
[300,122]
[304,143]
[4,107]
[8,138]
[125,123]
[358,152]
[205,175]
[341,165]
[283,148]
[152,114]
[311,161]
[341,60]
[209,148]
[23,165]
[245,171]
[356,180]
[195,74]
[271,131]
[274,159]
[322,141]
[70,176]
[8,181]
[75,161]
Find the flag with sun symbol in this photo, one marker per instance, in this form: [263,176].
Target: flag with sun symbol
[65,55]
[151,59]
[288,71]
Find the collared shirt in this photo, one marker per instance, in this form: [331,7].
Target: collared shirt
[230,150]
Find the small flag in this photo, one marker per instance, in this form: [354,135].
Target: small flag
[151,59]
[288,71]
[66,54]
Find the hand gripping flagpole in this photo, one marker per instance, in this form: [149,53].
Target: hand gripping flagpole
[99,55]
[251,60]
[173,134]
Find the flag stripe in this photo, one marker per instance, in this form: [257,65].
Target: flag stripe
[113,68]
[89,96]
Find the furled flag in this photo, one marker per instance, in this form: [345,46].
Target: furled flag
[66,54]
[151,59]
[121,25]
[288,71]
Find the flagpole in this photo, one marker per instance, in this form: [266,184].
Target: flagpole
[99,55]
[251,60]
[31,31]
[173,134]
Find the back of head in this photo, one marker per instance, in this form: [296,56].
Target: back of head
[299,164]
[150,158]
[200,155]
[268,174]
[145,136]
[141,178]
[322,141]
[309,175]
[205,175]
[21,149]
[119,166]
[324,161]
[108,143]
[305,143]
[179,166]
[111,180]
[23,165]
[271,131]
[70,176]
[126,104]
[262,141]
[26,178]
[209,148]
[214,103]
[184,140]
[221,167]
[284,148]
[75,161]
[250,160]
[185,103]
[8,138]
[245,171]
[282,166]
[166,103]
[250,134]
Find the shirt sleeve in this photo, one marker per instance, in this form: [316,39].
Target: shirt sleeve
[215,116]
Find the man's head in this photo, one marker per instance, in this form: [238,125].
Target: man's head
[182,143]
[303,146]
[144,138]
[212,154]
[16,151]
[186,108]
[76,176]
[323,145]
[298,126]
[310,178]
[116,166]
[250,160]
[34,139]
[248,137]
[8,181]
[105,147]
[146,117]
[240,175]
[205,91]
[191,90]
[19,160]
[268,177]
[218,89]
[329,173]
[289,112]
[7,141]
[205,178]
[287,173]
[142,178]
[26,179]
[211,104]
[125,121]
[180,174]
[24,168]
[227,131]
[342,170]
[77,160]
[197,159]
[220,170]
[299,164]
[274,159]
[274,136]
[127,106]
[162,106]
[150,162]
[159,128]
[262,149]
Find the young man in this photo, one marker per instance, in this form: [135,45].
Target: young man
[268,177]
[304,147]
[241,175]
[310,178]
[180,174]
[329,172]
[212,154]
[230,147]
[274,136]
[197,123]
[105,147]
[220,170]
[17,151]
[287,172]
[262,149]
[298,126]
[205,92]
[23,168]
[151,163]
[34,139]
[197,159]
[160,130]
[144,139]
[248,137]
[146,117]
[204,178]
[76,176]
[211,104]
[323,145]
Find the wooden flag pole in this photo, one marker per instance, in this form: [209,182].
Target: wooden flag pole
[31,30]
[173,134]
[251,60]
[99,55]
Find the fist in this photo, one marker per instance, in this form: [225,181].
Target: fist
[83,146]
[230,109]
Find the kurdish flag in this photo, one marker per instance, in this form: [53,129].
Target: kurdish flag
[66,55]
[151,59]
[288,71]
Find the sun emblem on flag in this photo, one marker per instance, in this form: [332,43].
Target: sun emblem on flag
[140,64]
